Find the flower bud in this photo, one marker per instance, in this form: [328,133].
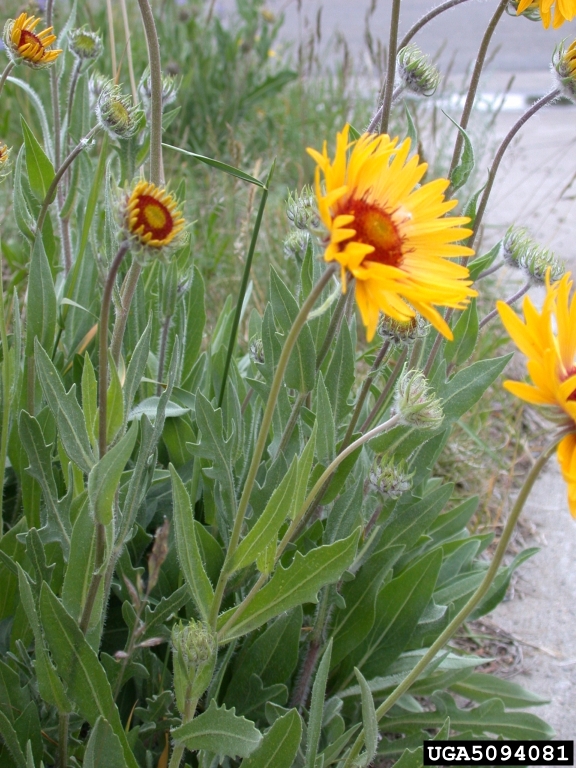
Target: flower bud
[403,333]
[416,403]
[194,649]
[116,113]
[96,83]
[416,72]
[532,12]
[390,479]
[515,245]
[296,244]
[302,211]
[85,44]
[538,261]
[256,350]
[170,87]
[564,65]
[4,160]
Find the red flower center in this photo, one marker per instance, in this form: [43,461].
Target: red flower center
[29,37]
[154,217]
[571,372]
[377,228]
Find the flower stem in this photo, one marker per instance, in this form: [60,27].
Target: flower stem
[4,76]
[425,19]
[378,116]
[110,17]
[103,346]
[386,391]
[126,296]
[96,578]
[391,69]
[511,300]
[364,392]
[156,163]
[162,353]
[126,23]
[475,81]
[263,434]
[464,612]
[500,154]
[332,328]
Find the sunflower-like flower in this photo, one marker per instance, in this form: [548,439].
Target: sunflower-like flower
[548,339]
[564,10]
[389,234]
[564,64]
[152,219]
[4,160]
[25,46]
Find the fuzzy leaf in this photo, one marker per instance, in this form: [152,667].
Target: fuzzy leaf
[103,749]
[279,745]
[369,719]
[317,707]
[220,731]
[465,336]
[42,319]
[195,322]
[40,168]
[340,375]
[461,173]
[104,477]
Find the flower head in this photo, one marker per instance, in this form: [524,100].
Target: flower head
[116,113]
[564,10]
[170,86]
[152,219]
[416,72]
[4,160]
[85,44]
[548,339]
[25,46]
[296,244]
[302,211]
[564,64]
[390,479]
[531,11]
[390,234]
[403,333]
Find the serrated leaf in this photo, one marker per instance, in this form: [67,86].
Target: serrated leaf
[41,301]
[40,168]
[462,171]
[103,749]
[317,707]
[279,745]
[369,718]
[78,665]
[67,412]
[188,549]
[292,586]
[220,731]
[465,336]
[104,477]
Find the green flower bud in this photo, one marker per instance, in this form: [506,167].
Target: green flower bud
[403,333]
[296,244]
[302,211]
[256,350]
[194,649]
[416,72]
[170,85]
[516,244]
[85,44]
[538,262]
[416,403]
[390,479]
[116,113]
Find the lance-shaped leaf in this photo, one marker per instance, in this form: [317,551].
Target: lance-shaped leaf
[105,476]
[340,375]
[103,749]
[79,668]
[89,397]
[188,549]
[292,586]
[67,412]
[40,168]
[42,306]
[219,730]
[461,173]
[136,368]
[326,440]
[465,336]
[279,745]
[81,562]
[369,718]
[10,739]
[265,530]
[317,707]
[57,527]
[24,220]
[304,472]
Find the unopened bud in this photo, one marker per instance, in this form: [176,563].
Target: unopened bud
[302,211]
[539,262]
[416,403]
[116,113]
[403,332]
[416,72]
[256,350]
[296,244]
[515,245]
[169,90]
[85,44]
[96,84]
[194,654]
[390,479]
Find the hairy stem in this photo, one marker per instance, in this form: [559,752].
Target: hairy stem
[386,391]
[263,434]
[510,301]
[364,392]
[63,720]
[391,69]
[103,346]
[162,352]
[126,296]
[4,76]
[498,159]
[126,23]
[465,612]
[437,343]
[156,163]
[110,17]
[475,81]
[333,328]
[425,19]
[378,116]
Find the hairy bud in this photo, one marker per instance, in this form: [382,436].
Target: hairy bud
[116,113]
[403,333]
[296,244]
[564,66]
[256,350]
[4,160]
[416,72]
[302,211]
[195,650]
[390,479]
[416,403]
[532,12]
[85,44]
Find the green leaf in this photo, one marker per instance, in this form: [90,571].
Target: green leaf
[411,758]
[461,173]
[326,439]
[136,367]
[292,586]
[271,85]
[411,517]
[36,101]
[411,131]
[195,322]
[317,707]
[103,749]
[104,477]
[279,745]
[89,397]
[482,687]
[465,336]
[369,719]
[468,385]
[78,665]
[114,403]
[483,262]
[11,741]
[67,412]
[265,530]
[81,562]
[219,730]
[340,375]
[303,473]
[41,322]
[40,169]
[188,549]
[218,165]
[24,220]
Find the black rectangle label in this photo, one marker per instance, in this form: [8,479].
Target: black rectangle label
[498,753]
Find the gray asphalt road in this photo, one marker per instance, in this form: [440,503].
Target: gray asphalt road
[524,45]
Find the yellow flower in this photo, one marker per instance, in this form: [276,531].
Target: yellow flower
[548,339]
[152,218]
[564,64]
[4,160]
[390,234]
[28,47]
[564,10]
